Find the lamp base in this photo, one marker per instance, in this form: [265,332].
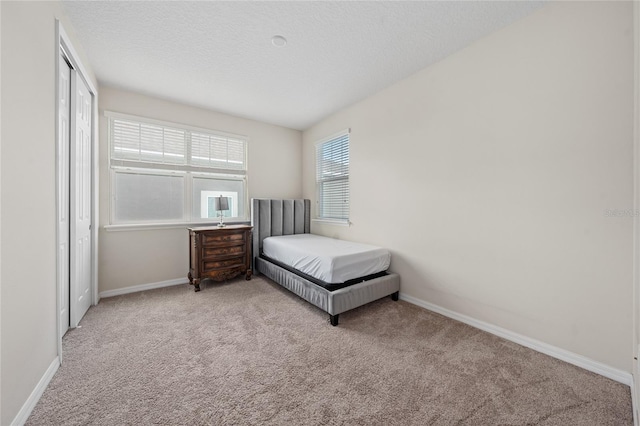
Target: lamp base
[221,223]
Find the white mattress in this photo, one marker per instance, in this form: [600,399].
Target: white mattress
[327,259]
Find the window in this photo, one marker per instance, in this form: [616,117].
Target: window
[169,173]
[332,177]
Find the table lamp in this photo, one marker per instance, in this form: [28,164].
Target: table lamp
[222,204]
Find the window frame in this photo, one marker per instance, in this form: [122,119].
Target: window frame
[187,171]
[318,144]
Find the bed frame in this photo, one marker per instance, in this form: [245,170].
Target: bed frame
[285,217]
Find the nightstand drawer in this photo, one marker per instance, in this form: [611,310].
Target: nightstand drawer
[222,238]
[208,265]
[216,252]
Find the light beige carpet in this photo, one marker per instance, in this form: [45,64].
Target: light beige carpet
[252,353]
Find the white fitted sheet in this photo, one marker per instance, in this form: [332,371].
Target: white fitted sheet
[327,259]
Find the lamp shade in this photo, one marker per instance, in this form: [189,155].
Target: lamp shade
[222,203]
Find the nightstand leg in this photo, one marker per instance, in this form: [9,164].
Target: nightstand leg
[193,282]
[248,274]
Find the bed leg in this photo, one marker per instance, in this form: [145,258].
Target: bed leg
[333,319]
[395,296]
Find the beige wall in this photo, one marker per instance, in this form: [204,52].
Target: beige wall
[636,295]
[0,215]
[128,258]
[28,197]
[503,159]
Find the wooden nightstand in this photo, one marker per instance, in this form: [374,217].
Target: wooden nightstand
[219,253]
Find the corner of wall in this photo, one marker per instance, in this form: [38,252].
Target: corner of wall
[30,403]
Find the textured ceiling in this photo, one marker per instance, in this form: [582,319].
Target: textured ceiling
[219,55]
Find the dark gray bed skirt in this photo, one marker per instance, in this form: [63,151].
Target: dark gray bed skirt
[333,302]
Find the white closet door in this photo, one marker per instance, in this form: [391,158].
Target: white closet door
[63,182]
[80,190]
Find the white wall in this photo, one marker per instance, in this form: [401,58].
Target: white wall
[27,197]
[0,216]
[128,258]
[636,136]
[503,159]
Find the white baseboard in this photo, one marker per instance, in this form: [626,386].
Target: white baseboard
[564,355]
[33,399]
[142,287]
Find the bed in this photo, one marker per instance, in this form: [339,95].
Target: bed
[274,217]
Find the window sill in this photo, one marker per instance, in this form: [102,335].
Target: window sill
[156,226]
[337,222]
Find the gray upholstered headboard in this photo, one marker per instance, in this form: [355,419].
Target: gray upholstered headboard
[278,217]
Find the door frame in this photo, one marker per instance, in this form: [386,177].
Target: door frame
[64,46]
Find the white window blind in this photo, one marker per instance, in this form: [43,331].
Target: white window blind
[147,143]
[219,152]
[165,172]
[332,177]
